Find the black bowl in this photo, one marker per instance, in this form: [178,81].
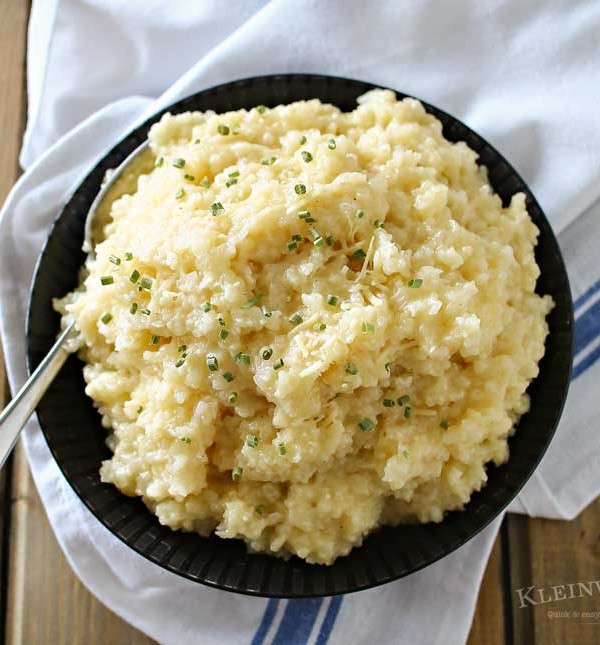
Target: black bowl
[72,427]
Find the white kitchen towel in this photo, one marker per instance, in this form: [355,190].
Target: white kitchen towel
[525,75]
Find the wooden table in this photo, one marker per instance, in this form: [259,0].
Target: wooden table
[42,602]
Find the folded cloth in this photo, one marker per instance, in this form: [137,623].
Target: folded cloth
[524,75]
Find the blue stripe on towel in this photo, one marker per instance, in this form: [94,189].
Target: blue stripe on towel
[266,621]
[586,295]
[329,620]
[587,327]
[297,622]
[585,363]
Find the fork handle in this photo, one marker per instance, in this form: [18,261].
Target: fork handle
[15,414]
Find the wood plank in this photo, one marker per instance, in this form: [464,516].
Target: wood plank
[557,554]
[13,21]
[488,621]
[47,602]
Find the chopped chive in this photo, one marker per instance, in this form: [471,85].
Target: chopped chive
[311,220]
[154,339]
[206,306]
[241,357]
[261,109]
[319,326]
[234,174]
[444,424]
[212,362]
[106,280]
[407,412]
[114,260]
[389,403]
[267,353]
[302,140]
[146,312]
[223,129]
[180,194]
[205,182]
[359,254]
[332,300]
[300,189]
[292,245]
[405,454]
[268,161]
[360,214]
[297,238]
[146,283]
[303,214]
[378,223]
[329,240]
[221,321]
[223,333]
[179,162]
[129,256]
[306,156]
[235,129]
[278,365]
[253,301]
[185,440]
[415,283]
[296,319]
[140,409]
[216,209]
[403,400]
[366,424]
[135,276]
[282,448]
[251,440]
[232,398]
[267,313]
[236,474]
[182,348]
[228,376]
[133,308]
[159,162]
[370,327]
[106,318]
[189,177]
[351,368]
[316,236]
[196,141]
[260,509]
[231,182]
[331,144]
[387,368]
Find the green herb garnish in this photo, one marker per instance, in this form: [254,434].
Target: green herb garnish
[135,276]
[278,365]
[106,318]
[236,474]
[106,280]
[212,362]
[228,376]
[300,189]
[415,283]
[223,129]
[267,353]
[251,440]
[351,368]
[268,161]
[306,156]
[216,209]
[241,357]
[113,259]
[366,424]
[296,319]
[179,162]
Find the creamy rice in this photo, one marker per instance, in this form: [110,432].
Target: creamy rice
[297,383]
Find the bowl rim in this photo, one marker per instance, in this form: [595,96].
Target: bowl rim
[139,126]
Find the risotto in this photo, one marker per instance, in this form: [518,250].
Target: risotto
[303,324]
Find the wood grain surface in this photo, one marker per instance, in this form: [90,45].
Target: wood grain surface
[43,602]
